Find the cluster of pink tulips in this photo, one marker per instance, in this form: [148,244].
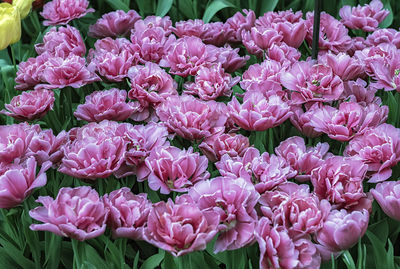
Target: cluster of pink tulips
[301,204]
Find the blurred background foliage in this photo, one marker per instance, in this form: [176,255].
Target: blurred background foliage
[22,248]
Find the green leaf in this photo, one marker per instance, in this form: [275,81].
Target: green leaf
[267,5]
[168,262]
[136,260]
[378,250]
[389,19]
[153,261]
[214,7]
[163,6]
[118,5]
[16,255]
[348,260]
[380,230]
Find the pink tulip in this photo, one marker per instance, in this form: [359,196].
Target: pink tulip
[259,112]
[386,73]
[150,84]
[290,25]
[78,213]
[128,213]
[189,28]
[156,21]
[339,180]
[333,34]
[358,91]
[94,151]
[239,23]
[211,83]
[61,73]
[152,43]
[14,141]
[30,105]
[264,77]
[234,201]
[180,228]
[283,54]
[105,105]
[230,58]
[112,59]
[17,181]
[342,229]
[187,55]
[377,59]
[192,118]
[387,194]
[61,12]
[295,208]
[302,120]
[45,146]
[259,39]
[379,36]
[217,145]
[141,140]
[62,42]
[379,148]
[301,158]
[366,18]
[173,169]
[29,73]
[114,24]
[346,67]
[308,82]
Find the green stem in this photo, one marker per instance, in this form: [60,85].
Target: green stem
[75,248]
[270,141]
[13,58]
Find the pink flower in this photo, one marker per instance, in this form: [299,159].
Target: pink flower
[17,181]
[30,105]
[112,58]
[346,67]
[230,58]
[215,33]
[45,146]
[150,84]
[114,24]
[62,42]
[288,24]
[277,249]
[173,169]
[128,213]
[61,73]
[379,148]
[308,82]
[301,120]
[342,229]
[358,91]
[186,56]
[333,34]
[180,228]
[377,58]
[387,194]
[386,72]
[366,18]
[211,83]
[301,158]
[259,39]
[379,36]
[188,28]
[152,43]
[339,180]
[192,118]
[29,73]
[283,54]
[339,124]
[14,141]
[141,139]
[78,213]
[259,112]
[105,105]
[239,23]
[295,208]
[93,151]
[61,12]
[234,201]
[216,146]
[264,77]
[156,21]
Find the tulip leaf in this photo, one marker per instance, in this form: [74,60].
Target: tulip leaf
[268,5]
[348,260]
[153,261]
[214,7]
[379,250]
[118,5]
[163,6]
[389,19]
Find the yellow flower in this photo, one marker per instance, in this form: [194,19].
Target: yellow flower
[24,7]
[10,25]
